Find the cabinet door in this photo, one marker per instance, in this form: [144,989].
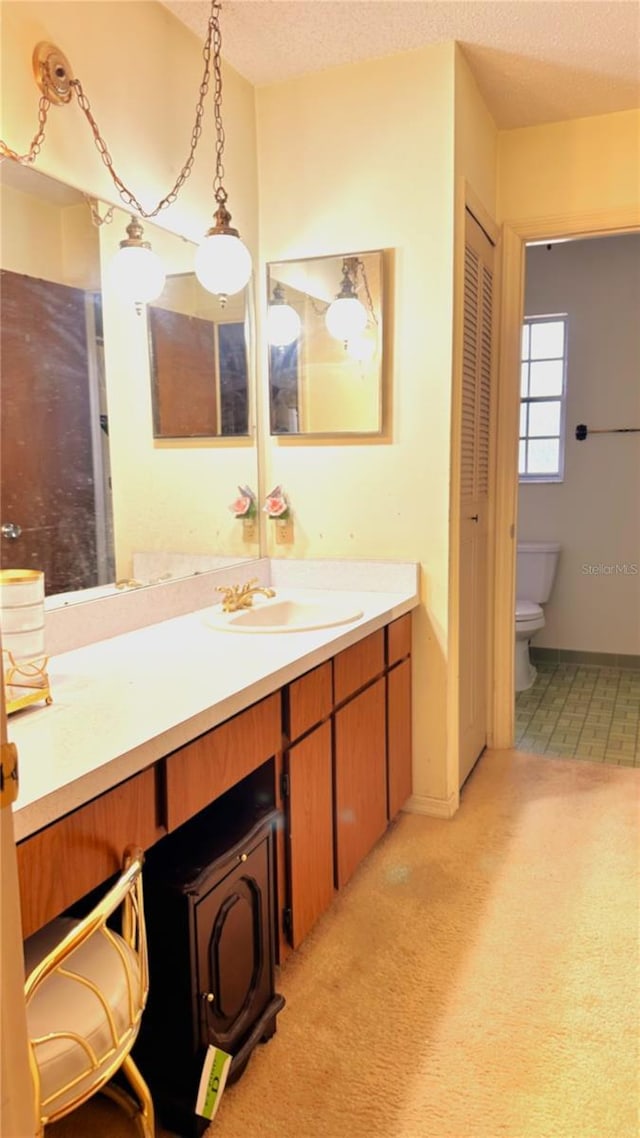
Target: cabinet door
[399,735]
[310,830]
[234,937]
[360,777]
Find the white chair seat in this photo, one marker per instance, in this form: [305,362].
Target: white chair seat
[64,1005]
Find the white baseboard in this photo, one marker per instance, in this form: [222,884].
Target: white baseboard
[432,807]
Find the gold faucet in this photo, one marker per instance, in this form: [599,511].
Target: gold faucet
[241,596]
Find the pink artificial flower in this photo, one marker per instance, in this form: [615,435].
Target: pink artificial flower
[276,505]
[241,506]
[245,505]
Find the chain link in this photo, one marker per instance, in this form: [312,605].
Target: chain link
[128,197]
[365,279]
[95,212]
[218,188]
[37,140]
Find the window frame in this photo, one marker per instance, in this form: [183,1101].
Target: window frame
[556,476]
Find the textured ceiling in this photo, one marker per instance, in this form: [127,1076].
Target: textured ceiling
[535,61]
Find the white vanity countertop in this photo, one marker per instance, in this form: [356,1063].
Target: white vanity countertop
[121,704]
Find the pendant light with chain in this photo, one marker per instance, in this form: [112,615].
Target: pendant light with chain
[223,262]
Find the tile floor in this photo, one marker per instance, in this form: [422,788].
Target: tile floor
[583,712]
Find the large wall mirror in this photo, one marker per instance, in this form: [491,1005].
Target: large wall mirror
[326,345]
[90,494]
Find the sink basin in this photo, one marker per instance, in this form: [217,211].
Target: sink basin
[286,616]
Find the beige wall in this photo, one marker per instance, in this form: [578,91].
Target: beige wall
[362,157]
[575,167]
[146,114]
[356,158]
[594,512]
[476,137]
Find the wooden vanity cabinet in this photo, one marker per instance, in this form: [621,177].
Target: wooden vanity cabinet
[59,864]
[340,740]
[347,767]
[399,749]
[308,799]
[360,752]
[309,831]
[360,778]
[201,771]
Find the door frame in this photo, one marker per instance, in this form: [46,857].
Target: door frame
[466,199]
[515,235]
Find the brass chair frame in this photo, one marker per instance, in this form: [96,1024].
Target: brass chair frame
[127,893]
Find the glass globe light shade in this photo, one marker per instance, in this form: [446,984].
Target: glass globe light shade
[222,264]
[138,274]
[346,317]
[283,325]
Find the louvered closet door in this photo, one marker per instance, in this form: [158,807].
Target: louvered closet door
[474,492]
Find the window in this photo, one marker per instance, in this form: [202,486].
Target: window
[542,399]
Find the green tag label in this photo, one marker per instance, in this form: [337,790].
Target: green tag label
[212,1080]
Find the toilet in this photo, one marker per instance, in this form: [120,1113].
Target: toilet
[536,565]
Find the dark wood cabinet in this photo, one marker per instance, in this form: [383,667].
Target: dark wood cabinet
[209,902]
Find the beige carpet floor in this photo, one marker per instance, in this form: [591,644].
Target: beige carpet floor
[478,978]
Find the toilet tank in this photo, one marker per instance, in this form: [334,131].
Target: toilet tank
[536,565]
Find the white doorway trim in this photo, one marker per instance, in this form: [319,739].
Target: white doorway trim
[515,235]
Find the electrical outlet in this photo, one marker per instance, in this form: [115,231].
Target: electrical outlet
[249,529]
[284,531]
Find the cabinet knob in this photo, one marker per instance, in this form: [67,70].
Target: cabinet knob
[208,996]
[243,857]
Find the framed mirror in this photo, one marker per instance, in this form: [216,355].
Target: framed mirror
[326,345]
[89,495]
[198,346]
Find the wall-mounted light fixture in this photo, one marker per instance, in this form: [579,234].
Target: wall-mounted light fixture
[223,262]
[136,271]
[283,322]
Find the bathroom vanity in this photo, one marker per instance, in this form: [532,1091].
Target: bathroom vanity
[149,728]
[256,769]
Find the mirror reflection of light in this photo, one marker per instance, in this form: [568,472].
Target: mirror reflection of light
[346,317]
[283,325]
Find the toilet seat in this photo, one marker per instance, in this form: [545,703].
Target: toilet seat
[529,617]
[527,610]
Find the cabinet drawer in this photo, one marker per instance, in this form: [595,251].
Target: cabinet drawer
[58,865]
[354,667]
[399,639]
[202,770]
[310,700]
